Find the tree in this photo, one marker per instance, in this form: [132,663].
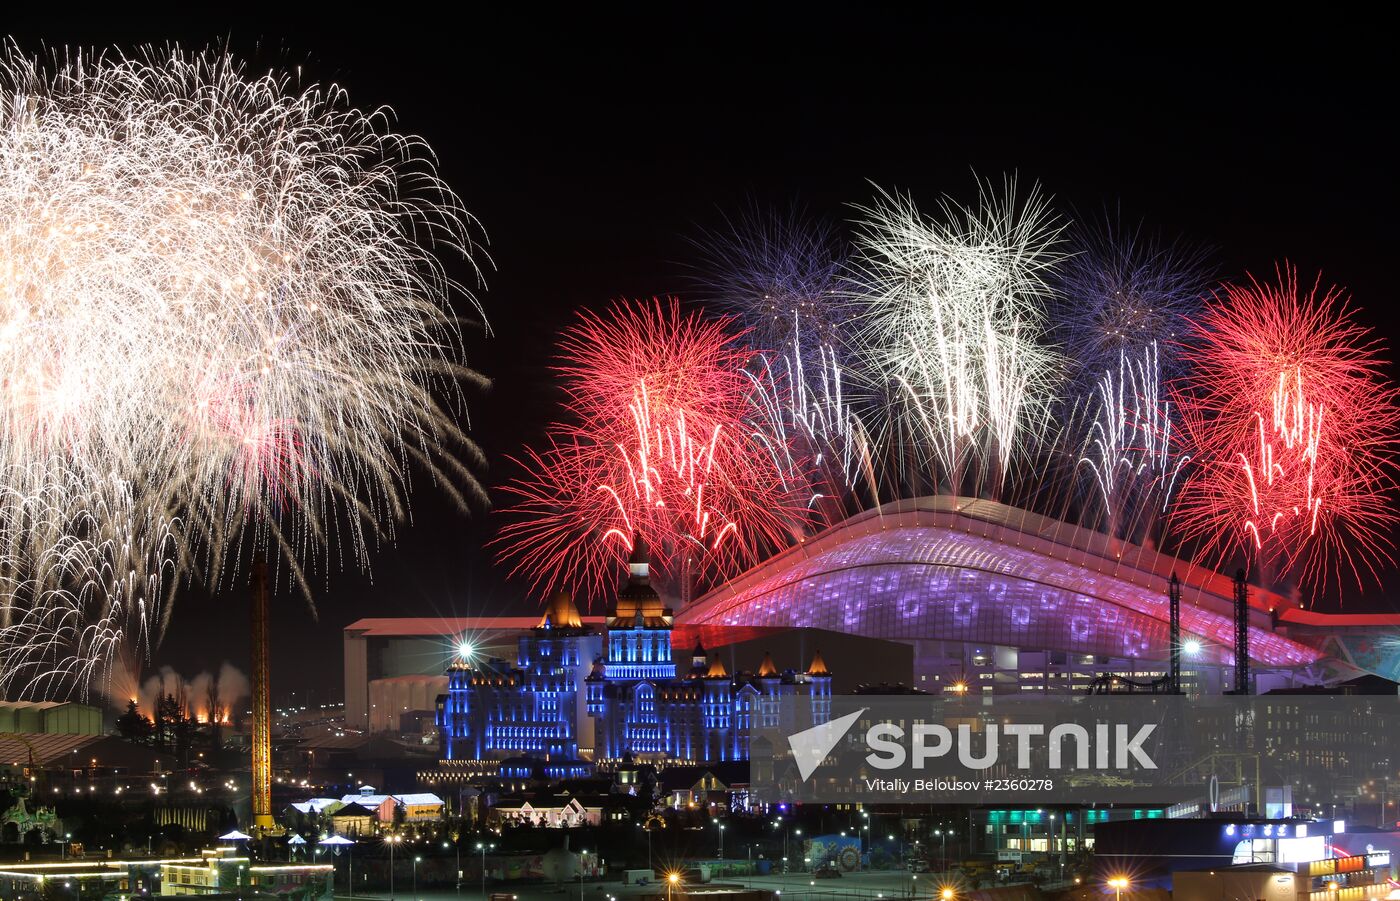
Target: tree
[132,725]
[211,700]
[167,716]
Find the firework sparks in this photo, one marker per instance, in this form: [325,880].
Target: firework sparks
[1132,450]
[783,276]
[657,446]
[1125,298]
[801,414]
[1123,289]
[1293,429]
[223,295]
[955,327]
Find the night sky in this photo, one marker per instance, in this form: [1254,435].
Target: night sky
[592,144]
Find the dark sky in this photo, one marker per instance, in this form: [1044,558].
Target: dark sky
[591,143]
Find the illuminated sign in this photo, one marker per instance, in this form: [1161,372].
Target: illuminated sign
[1338,865]
[1300,850]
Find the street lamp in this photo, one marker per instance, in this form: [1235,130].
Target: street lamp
[646,827]
[416,861]
[946,894]
[721,840]
[671,879]
[483,848]
[392,840]
[1119,883]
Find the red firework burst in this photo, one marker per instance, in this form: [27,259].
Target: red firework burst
[656,444]
[1292,428]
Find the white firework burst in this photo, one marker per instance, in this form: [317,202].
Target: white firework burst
[955,329]
[223,294]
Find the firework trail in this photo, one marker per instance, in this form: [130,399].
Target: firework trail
[1132,450]
[801,414]
[656,445]
[1293,429]
[783,276]
[223,324]
[1123,289]
[1124,302]
[955,332]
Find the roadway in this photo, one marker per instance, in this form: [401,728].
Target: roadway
[872,885]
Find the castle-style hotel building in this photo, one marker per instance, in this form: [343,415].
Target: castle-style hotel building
[622,685]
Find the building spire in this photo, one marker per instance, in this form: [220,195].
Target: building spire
[561,613]
[818,667]
[639,562]
[767,667]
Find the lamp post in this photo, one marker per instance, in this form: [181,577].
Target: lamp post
[483,848]
[392,840]
[1119,883]
[799,841]
[416,860]
[721,840]
[671,880]
[581,855]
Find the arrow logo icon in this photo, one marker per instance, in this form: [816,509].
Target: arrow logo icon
[810,746]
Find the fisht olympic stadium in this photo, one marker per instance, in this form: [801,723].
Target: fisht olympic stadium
[947,594]
[992,597]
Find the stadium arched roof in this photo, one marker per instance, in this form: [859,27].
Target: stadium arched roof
[963,569]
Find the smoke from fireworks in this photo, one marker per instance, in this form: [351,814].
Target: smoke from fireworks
[955,331]
[223,323]
[1294,429]
[655,445]
[206,698]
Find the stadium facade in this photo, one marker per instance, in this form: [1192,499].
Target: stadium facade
[994,598]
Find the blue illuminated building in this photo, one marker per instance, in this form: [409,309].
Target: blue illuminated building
[493,710]
[631,699]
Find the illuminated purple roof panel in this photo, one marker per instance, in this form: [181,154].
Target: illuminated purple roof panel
[932,582]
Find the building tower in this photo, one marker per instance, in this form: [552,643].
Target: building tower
[639,630]
[819,678]
[262,702]
[1174,602]
[1241,634]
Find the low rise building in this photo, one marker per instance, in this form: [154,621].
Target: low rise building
[1359,878]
